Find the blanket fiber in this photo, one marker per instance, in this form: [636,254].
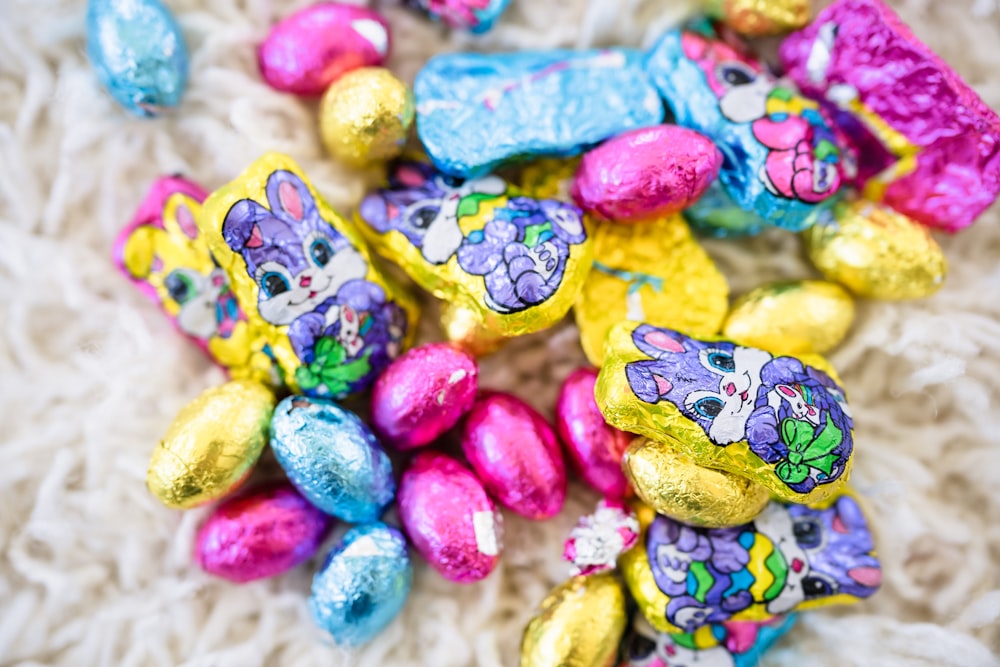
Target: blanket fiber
[94,572]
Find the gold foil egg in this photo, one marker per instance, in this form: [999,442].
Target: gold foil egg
[792,317]
[676,486]
[758,18]
[580,624]
[876,252]
[365,116]
[549,178]
[212,444]
[653,272]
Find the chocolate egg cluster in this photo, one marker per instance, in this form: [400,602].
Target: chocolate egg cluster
[719,438]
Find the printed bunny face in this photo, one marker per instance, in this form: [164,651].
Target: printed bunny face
[791,557]
[163,253]
[782,421]
[304,276]
[472,241]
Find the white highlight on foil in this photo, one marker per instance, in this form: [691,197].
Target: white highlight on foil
[484,526]
[373,32]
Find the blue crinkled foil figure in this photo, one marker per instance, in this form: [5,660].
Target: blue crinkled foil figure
[476,112]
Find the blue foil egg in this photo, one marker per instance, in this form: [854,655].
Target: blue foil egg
[472,109]
[139,54]
[362,585]
[783,163]
[332,458]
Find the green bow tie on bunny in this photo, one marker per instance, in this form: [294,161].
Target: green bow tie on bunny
[807,451]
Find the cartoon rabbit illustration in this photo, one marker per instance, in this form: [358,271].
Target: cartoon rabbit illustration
[792,416]
[789,555]
[310,278]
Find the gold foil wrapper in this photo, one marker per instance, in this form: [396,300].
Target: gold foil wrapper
[212,444]
[365,116]
[624,410]
[337,367]
[792,317]
[876,252]
[549,178]
[580,624]
[463,327]
[653,272]
[676,486]
[758,18]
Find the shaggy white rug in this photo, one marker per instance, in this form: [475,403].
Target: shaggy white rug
[94,572]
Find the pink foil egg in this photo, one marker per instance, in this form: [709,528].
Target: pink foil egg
[595,448]
[260,534]
[422,394]
[515,453]
[646,173]
[450,519]
[309,50]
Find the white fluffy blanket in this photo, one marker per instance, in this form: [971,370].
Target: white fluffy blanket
[94,572]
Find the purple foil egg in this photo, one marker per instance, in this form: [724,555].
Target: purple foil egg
[515,453]
[595,448]
[422,394]
[450,519]
[312,48]
[646,173]
[260,534]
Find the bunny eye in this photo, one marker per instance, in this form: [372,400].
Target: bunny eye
[708,407]
[320,252]
[808,533]
[721,360]
[735,74]
[640,647]
[180,286]
[423,216]
[451,181]
[273,283]
[816,587]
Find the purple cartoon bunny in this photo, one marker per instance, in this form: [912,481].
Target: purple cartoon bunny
[312,279]
[800,553]
[791,415]
[521,250]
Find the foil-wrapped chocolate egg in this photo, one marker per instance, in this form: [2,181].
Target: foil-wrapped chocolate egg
[515,453]
[599,539]
[260,534]
[422,394]
[595,448]
[646,173]
[675,486]
[138,52]
[332,458]
[307,51]
[449,518]
[476,16]
[580,624]
[876,252]
[363,584]
[792,317]
[758,18]
[656,272]
[212,444]
[365,116]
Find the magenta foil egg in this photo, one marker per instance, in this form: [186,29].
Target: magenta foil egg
[646,173]
[450,519]
[515,453]
[309,50]
[260,534]
[595,448]
[422,394]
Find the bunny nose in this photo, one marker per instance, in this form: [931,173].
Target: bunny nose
[217,280]
[730,389]
[305,281]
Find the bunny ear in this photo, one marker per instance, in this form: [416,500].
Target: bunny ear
[657,343]
[288,196]
[136,251]
[240,229]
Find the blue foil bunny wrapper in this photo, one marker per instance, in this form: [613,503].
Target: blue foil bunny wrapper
[476,112]
[138,52]
[782,159]
[476,16]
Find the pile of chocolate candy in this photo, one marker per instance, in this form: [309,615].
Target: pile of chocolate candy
[721,440]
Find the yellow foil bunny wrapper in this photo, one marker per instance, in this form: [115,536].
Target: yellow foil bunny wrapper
[305,279]
[163,253]
[514,263]
[654,272]
[789,558]
[780,421]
